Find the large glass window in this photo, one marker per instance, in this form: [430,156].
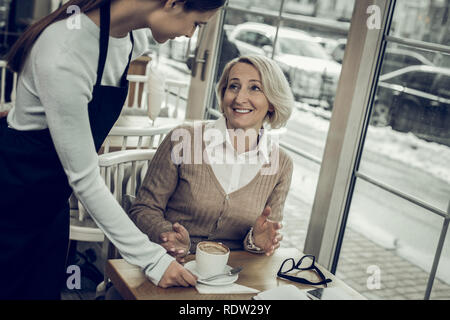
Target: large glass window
[396,223]
[389,246]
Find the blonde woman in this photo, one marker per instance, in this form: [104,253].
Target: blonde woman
[235,193]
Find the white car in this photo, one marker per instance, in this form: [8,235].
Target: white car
[312,72]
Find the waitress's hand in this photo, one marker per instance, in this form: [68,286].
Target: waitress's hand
[265,233]
[3,114]
[176,242]
[177,276]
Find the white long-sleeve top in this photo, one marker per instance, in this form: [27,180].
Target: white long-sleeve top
[53,92]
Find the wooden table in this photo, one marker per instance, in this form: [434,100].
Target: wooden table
[260,272]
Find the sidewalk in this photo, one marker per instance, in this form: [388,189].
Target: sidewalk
[400,279]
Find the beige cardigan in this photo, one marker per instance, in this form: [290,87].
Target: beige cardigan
[191,195]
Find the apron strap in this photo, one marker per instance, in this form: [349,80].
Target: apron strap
[105,23]
[124,81]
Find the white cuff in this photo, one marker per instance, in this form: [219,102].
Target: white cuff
[155,274]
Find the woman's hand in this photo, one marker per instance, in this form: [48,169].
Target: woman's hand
[3,114]
[177,276]
[265,233]
[176,242]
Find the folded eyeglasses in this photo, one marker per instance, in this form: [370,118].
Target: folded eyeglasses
[307,262]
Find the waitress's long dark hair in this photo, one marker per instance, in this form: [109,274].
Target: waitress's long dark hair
[19,52]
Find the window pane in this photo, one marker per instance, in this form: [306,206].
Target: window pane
[243,34]
[174,59]
[298,206]
[257,5]
[441,285]
[422,20]
[408,144]
[332,10]
[397,57]
[389,245]
[310,47]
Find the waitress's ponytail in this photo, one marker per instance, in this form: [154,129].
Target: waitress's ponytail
[19,52]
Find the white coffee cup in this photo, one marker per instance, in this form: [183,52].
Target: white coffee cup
[211,258]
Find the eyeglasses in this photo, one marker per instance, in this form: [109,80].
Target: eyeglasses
[303,264]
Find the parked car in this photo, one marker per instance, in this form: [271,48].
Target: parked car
[394,58]
[312,72]
[415,99]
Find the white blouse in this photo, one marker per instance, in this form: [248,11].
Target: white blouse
[231,169]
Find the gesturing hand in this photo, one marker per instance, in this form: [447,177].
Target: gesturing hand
[265,232]
[176,242]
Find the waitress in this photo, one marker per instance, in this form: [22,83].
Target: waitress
[72,87]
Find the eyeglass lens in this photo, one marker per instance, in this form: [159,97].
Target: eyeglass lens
[305,262]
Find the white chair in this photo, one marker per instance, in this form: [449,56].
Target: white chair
[123,172]
[6,106]
[82,227]
[136,138]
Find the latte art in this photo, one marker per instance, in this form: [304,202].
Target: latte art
[213,248]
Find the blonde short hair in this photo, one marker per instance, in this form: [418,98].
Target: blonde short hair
[275,87]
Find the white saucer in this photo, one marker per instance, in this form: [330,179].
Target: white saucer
[222,281]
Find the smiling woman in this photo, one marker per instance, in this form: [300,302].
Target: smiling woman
[264,82]
[230,197]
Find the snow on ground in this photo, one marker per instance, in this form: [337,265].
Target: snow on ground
[430,157]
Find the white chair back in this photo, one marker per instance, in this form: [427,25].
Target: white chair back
[136,138]
[123,172]
[119,139]
[5,106]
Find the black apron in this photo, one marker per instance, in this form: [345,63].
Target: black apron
[34,193]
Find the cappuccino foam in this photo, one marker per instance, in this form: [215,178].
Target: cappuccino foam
[213,248]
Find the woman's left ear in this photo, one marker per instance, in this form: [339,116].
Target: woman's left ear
[173,3]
